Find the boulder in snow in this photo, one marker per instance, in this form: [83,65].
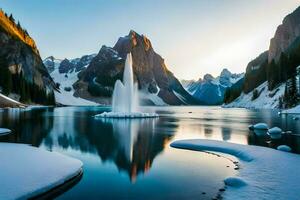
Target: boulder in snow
[284,148]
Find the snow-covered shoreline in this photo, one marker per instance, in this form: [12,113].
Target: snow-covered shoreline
[8,102]
[28,171]
[268,173]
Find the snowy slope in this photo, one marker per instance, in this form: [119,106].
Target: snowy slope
[264,173]
[295,110]
[66,82]
[267,99]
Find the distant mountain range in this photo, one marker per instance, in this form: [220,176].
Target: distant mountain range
[211,90]
[272,79]
[92,77]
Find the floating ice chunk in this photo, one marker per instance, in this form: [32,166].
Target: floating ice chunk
[4,131]
[275,132]
[126,115]
[235,182]
[27,171]
[261,126]
[284,148]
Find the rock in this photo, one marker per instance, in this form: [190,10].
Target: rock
[285,148]
[65,66]
[251,127]
[285,35]
[260,132]
[235,182]
[275,132]
[150,70]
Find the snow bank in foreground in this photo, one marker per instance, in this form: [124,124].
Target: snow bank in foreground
[267,99]
[27,171]
[268,173]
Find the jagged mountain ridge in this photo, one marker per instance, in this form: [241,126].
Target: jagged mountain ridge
[211,90]
[96,80]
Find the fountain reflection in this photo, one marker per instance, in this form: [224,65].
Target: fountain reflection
[132,144]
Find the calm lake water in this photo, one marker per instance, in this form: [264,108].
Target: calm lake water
[132,159]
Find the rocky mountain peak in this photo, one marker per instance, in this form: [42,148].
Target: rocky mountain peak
[225,73]
[208,77]
[65,66]
[285,35]
[150,71]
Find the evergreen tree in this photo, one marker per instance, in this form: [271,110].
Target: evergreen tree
[11,18]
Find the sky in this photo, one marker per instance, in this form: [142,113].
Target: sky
[195,37]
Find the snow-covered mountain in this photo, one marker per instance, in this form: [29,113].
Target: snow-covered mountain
[64,73]
[93,77]
[266,98]
[211,90]
[272,78]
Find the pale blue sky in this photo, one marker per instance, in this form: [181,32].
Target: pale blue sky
[194,36]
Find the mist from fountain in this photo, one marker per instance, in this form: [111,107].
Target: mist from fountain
[125,100]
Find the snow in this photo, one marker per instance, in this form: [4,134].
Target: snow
[284,148]
[235,182]
[8,102]
[275,132]
[27,171]
[66,97]
[268,173]
[126,115]
[267,99]
[261,126]
[295,110]
[4,131]
[179,96]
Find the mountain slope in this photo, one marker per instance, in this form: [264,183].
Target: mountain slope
[277,68]
[211,90]
[22,71]
[96,82]
[65,73]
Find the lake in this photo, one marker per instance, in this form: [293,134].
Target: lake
[132,159]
